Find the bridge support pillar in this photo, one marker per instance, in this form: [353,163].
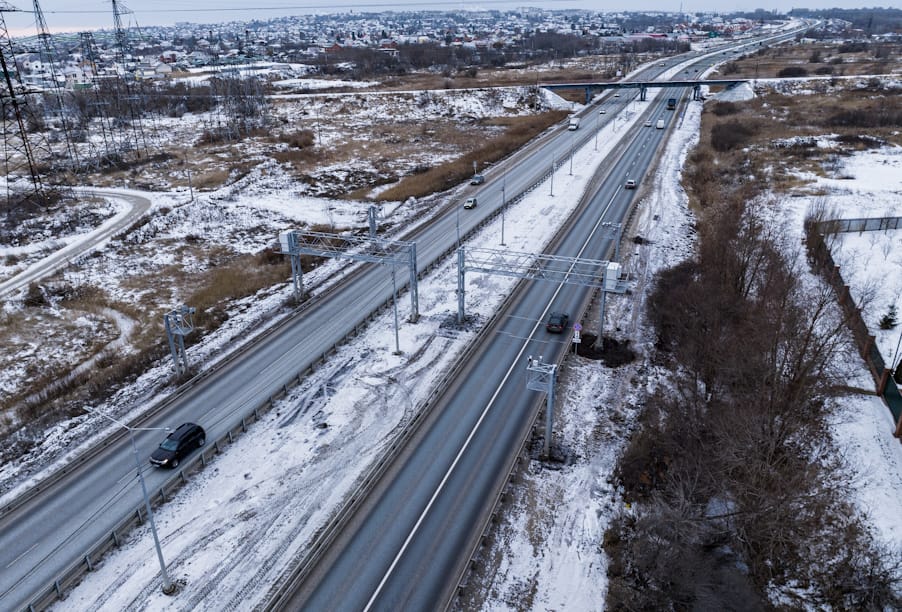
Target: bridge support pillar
[697,92]
[643,92]
[588,94]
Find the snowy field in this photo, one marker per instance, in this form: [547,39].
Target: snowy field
[277,484]
[280,482]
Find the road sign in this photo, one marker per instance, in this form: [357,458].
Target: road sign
[577,328]
[576,338]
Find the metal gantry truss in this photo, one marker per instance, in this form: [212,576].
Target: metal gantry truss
[534,266]
[356,248]
[179,322]
[541,376]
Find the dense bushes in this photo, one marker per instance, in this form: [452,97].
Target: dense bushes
[731,135]
[792,72]
[866,118]
[737,497]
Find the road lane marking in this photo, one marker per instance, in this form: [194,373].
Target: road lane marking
[16,560]
[482,416]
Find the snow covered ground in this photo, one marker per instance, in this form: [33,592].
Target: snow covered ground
[867,184]
[278,484]
[549,545]
[229,534]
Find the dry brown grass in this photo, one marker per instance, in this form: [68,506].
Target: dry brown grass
[211,179]
[520,130]
[53,393]
[769,61]
[743,145]
[239,277]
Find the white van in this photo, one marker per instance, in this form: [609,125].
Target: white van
[660,124]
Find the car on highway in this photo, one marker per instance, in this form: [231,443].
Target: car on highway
[630,184]
[178,445]
[616,95]
[557,322]
[470,203]
[648,123]
[478,179]
[602,112]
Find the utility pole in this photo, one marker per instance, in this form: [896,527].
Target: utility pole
[503,203]
[551,193]
[168,587]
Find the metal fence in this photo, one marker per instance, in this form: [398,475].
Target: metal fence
[821,257]
[872,224]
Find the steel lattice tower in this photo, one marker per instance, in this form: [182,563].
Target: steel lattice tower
[122,52]
[18,149]
[48,55]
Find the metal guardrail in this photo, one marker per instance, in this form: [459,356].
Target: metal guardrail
[536,409]
[75,571]
[323,539]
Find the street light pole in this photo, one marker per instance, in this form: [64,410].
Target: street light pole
[168,587]
[503,203]
[571,154]
[457,221]
[596,132]
[394,298]
[552,176]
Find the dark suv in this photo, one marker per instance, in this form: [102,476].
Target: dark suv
[557,321]
[178,444]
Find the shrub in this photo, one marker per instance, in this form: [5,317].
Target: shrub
[725,108]
[885,116]
[853,47]
[36,297]
[730,135]
[792,72]
[299,140]
[890,319]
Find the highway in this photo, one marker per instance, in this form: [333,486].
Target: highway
[39,539]
[407,547]
[42,537]
[429,505]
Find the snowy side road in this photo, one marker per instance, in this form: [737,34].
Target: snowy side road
[131,204]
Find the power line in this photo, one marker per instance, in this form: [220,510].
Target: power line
[288,7]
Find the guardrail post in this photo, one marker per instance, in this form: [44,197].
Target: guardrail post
[88,563]
[138,512]
[59,591]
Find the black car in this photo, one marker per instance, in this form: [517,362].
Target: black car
[178,444]
[557,322]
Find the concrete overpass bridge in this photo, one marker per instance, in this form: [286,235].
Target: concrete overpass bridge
[643,86]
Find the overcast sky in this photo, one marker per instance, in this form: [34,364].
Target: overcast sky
[69,15]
